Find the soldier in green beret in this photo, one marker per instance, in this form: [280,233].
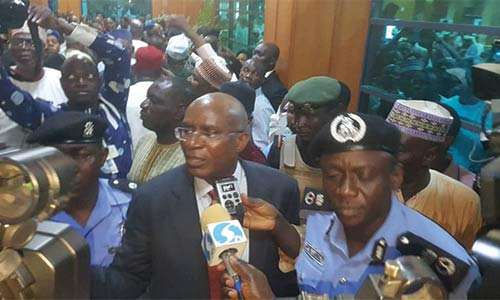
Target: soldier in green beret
[311,104]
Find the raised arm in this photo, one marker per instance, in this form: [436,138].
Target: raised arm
[20,105]
[114,55]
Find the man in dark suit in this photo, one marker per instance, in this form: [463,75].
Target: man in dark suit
[272,87]
[162,242]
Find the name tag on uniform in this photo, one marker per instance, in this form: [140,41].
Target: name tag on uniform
[315,200]
[314,254]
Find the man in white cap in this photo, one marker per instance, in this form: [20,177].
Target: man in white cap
[29,74]
[424,126]
[178,59]
[210,70]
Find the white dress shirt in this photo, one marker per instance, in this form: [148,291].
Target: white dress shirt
[136,95]
[262,112]
[47,88]
[203,199]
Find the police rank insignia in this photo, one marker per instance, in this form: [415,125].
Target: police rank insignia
[348,127]
[315,200]
[88,129]
[314,254]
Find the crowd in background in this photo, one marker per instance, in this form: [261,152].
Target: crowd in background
[147,101]
[427,64]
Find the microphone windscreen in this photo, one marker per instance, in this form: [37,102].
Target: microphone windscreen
[214,214]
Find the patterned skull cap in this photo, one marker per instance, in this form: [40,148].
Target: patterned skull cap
[214,72]
[422,119]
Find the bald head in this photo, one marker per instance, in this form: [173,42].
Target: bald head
[268,54]
[220,123]
[224,106]
[80,81]
[75,59]
[273,50]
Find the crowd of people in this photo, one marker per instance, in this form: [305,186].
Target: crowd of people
[155,112]
[435,65]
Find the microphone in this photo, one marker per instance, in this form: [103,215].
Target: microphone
[222,238]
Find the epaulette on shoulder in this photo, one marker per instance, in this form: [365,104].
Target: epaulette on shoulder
[123,185]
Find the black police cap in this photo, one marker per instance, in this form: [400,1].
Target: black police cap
[354,131]
[70,127]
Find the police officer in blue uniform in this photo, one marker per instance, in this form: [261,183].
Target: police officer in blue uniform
[360,174]
[97,207]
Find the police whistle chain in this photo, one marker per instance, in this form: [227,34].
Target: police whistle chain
[223,238]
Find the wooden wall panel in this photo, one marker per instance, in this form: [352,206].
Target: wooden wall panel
[74,6]
[278,29]
[189,8]
[40,2]
[310,48]
[319,37]
[349,44]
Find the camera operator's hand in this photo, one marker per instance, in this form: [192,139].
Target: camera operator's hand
[254,283]
[42,16]
[259,214]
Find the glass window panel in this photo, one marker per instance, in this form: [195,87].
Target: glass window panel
[425,63]
[242,23]
[117,8]
[472,12]
[223,5]
[429,64]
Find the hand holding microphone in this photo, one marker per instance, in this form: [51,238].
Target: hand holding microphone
[222,239]
[262,215]
[259,214]
[253,283]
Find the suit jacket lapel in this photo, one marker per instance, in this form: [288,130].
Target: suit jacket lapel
[184,211]
[185,220]
[254,186]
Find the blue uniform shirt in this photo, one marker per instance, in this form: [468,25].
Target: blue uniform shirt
[30,113]
[324,265]
[103,231]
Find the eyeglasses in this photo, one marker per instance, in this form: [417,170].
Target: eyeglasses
[25,43]
[78,77]
[184,133]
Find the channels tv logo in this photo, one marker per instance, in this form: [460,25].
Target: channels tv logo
[226,233]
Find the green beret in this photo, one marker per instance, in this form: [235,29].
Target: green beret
[318,90]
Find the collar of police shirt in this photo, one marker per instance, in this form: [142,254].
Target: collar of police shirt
[203,199]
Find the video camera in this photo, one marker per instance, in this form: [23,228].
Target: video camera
[486,86]
[13,14]
[39,259]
